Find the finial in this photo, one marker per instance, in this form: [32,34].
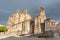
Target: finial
[41,9]
[18,10]
[25,11]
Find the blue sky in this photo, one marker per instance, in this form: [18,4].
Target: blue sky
[8,7]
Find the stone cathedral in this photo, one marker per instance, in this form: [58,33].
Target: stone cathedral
[22,23]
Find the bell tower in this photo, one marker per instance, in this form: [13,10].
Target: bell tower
[42,14]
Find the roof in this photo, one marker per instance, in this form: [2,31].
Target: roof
[58,27]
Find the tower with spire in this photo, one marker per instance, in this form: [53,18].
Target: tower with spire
[42,14]
[39,21]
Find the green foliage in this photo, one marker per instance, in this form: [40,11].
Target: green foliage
[3,29]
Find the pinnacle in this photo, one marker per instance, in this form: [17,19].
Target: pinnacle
[18,10]
[25,11]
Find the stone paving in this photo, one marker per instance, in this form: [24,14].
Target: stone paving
[16,37]
[29,38]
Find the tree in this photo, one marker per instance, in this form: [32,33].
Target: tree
[3,29]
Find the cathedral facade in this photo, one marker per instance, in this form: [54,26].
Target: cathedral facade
[22,23]
[19,23]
